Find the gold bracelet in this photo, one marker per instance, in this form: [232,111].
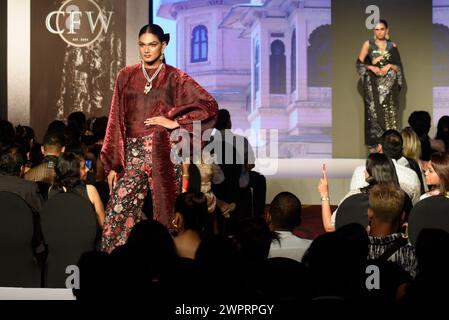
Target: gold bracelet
[186,175]
[325,199]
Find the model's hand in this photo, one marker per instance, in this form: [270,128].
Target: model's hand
[375,70]
[161,121]
[112,180]
[385,69]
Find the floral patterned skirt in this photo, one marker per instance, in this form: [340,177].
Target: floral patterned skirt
[124,208]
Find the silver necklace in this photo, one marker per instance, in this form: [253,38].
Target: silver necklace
[149,84]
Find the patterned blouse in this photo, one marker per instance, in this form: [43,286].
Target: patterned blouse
[404,256]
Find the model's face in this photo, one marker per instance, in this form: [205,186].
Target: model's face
[150,48]
[432,178]
[380,31]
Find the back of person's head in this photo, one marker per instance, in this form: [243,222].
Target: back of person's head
[254,238]
[440,163]
[7,133]
[216,251]
[353,243]
[76,147]
[11,160]
[193,209]
[53,142]
[420,122]
[431,250]
[412,146]
[285,211]
[391,142]
[151,238]
[77,120]
[99,127]
[218,258]
[67,170]
[95,275]
[56,127]
[25,132]
[380,169]
[443,129]
[223,120]
[344,252]
[386,202]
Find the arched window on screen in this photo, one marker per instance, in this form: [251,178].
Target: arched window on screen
[277,68]
[199,44]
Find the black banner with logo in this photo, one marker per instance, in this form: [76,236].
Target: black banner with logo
[77,48]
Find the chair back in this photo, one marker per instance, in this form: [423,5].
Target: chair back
[18,268]
[432,212]
[69,226]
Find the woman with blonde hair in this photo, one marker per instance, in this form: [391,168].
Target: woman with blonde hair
[411,150]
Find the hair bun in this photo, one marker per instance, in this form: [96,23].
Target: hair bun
[166,37]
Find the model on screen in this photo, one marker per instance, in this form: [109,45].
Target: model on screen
[379,66]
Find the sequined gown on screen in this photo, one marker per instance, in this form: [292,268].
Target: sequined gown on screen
[380,93]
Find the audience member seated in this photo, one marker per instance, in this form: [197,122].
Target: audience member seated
[144,263]
[95,282]
[254,237]
[70,171]
[56,127]
[385,215]
[420,122]
[379,168]
[98,130]
[429,288]
[188,223]
[7,133]
[285,281]
[26,136]
[45,172]
[442,135]
[11,167]
[210,173]
[283,217]
[411,150]
[437,175]
[391,145]
[76,127]
[239,175]
[219,260]
[337,263]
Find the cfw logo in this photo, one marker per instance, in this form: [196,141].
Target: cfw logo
[78,22]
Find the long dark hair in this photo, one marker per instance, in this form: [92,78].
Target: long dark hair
[380,169]
[193,208]
[443,131]
[67,170]
[157,31]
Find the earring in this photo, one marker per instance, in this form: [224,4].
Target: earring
[162,56]
[174,225]
[387,36]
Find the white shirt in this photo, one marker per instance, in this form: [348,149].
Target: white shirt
[290,246]
[408,180]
